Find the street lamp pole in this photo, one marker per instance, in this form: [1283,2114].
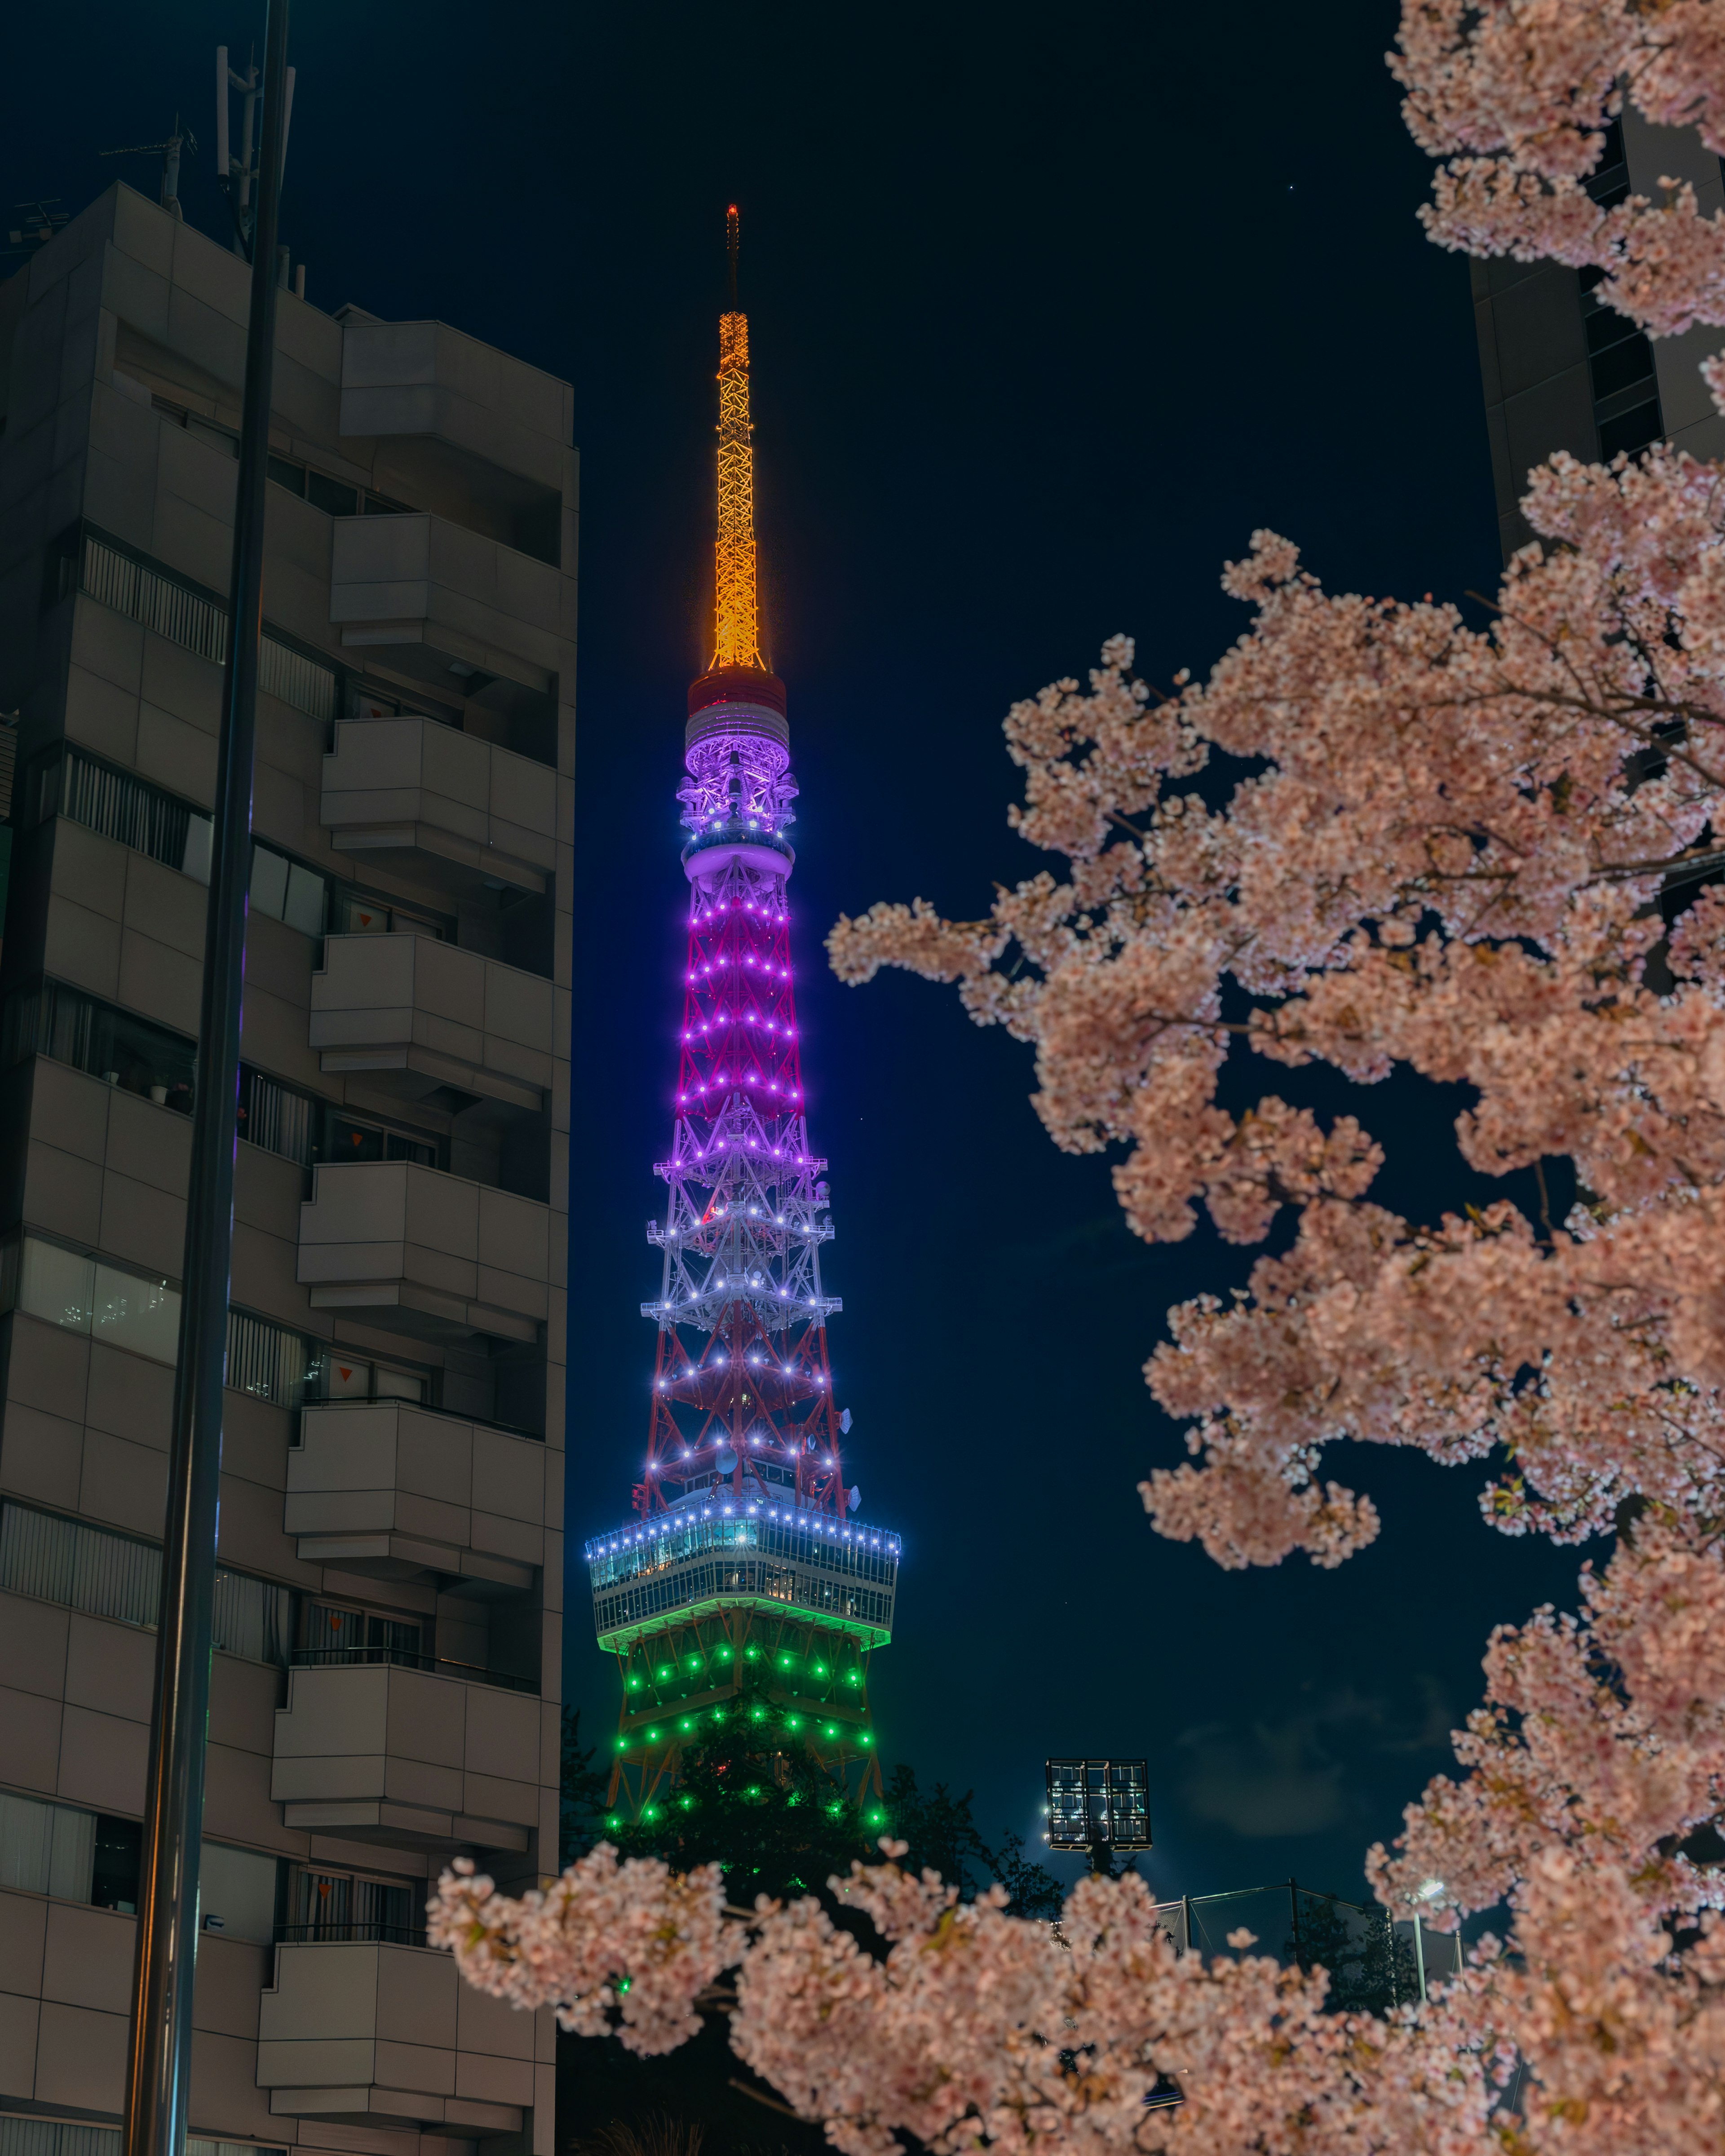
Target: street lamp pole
[158,2080]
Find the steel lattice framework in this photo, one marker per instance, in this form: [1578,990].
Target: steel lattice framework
[745,1565]
[737,641]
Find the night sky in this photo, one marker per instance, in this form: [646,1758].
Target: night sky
[1048,311]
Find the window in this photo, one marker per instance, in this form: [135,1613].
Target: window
[288,890]
[52,1020]
[73,1855]
[110,1575]
[150,593]
[49,2137]
[356,912]
[127,809]
[236,1893]
[330,1635]
[341,1905]
[335,497]
[1631,430]
[302,1128]
[291,1370]
[66,1286]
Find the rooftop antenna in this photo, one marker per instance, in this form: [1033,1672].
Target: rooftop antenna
[37,222]
[238,175]
[733,236]
[169,153]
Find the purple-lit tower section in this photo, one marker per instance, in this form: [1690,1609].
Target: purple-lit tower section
[742,1392]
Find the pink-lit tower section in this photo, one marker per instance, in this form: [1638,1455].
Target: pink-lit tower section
[743,1390]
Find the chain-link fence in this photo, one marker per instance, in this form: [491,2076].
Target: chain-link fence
[1374,1962]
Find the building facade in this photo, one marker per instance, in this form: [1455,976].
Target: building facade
[386,1675]
[1560,371]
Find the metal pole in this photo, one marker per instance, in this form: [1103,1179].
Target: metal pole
[158,2080]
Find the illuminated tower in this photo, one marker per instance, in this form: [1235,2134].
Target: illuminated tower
[746,1561]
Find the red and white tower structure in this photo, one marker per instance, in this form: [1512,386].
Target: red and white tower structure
[745,1566]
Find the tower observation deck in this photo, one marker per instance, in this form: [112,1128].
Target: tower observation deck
[746,1565]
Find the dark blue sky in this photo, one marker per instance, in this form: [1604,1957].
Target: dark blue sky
[1048,311]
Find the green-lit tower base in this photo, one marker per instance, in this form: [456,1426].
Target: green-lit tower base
[792,1606]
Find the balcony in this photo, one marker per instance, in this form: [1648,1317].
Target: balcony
[426,380]
[435,600]
[415,1015]
[393,1491]
[449,807]
[374,1752]
[431,1255]
[390,2037]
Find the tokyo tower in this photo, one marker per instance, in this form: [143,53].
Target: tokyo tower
[745,1568]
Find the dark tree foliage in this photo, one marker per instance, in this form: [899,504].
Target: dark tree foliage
[753,1797]
[943,1837]
[580,1804]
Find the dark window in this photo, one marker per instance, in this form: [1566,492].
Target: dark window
[329,1634]
[114,1880]
[52,1020]
[334,496]
[1629,361]
[380,505]
[291,476]
[1630,431]
[344,1138]
[335,1905]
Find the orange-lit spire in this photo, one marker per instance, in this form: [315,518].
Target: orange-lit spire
[736,639]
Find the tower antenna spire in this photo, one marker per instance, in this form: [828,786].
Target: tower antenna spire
[735,622]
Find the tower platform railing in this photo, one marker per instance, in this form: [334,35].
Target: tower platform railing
[843,1572]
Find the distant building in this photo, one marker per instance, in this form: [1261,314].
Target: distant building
[387,1680]
[1560,371]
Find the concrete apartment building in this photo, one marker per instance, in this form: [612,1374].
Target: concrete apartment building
[387,1680]
[1560,371]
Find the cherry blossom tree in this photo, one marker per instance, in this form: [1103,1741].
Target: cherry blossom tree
[1514,95]
[1599,1753]
[1380,836]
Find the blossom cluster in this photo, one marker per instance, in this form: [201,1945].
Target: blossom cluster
[959,2024]
[1515,96]
[1596,2025]
[1447,854]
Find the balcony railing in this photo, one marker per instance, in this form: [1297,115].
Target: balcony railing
[403,1658]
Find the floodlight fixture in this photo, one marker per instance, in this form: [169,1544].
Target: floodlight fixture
[1098,1804]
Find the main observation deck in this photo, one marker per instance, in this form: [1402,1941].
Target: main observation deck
[784,1559]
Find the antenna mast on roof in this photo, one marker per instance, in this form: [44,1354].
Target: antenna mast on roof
[238,175]
[169,153]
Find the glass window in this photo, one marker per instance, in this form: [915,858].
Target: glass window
[334,496]
[287,890]
[369,913]
[46,1849]
[138,1313]
[329,1634]
[236,1893]
[292,476]
[268,886]
[114,1875]
[56,1284]
[254,1618]
[335,1905]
